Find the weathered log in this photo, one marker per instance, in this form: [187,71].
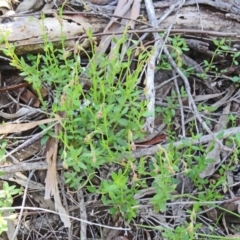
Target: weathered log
[26,33]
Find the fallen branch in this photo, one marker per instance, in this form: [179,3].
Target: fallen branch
[202,140]
[83,214]
[26,166]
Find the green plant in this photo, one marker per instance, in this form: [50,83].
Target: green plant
[168,114]
[164,166]
[3,145]
[6,200]
[223,48]
[119,194]
[178,45]
[232,119]
[100,124]
[206,108]
[6,193]
[97,131]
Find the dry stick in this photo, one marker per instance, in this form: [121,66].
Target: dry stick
[121,9]
[180,104]
[173,7]
[51,186]
[28,142]
[26,166]
[159,43]
[13,159]
[60,182]
[202,140]
[150,30]
[23,203]
[149,82]
[191,100]
[57,213]
[164,16]
[220,4]
[205,203]
[83,214]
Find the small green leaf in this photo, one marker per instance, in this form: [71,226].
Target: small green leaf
[236,78]
[226,48]
[104,200]
[82,165]
[220,135]
[123,122]
[111,188]
[91,189]
[147,114]
[216,42]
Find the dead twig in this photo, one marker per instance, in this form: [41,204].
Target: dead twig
[192,104]
[23,203]
[180,104]
[149,81]
[26,166]
[29,142]
[65,203]
[83,214]
[64,215]
[202,140]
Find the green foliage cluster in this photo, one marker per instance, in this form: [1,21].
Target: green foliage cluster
[6,199]
[100,125]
